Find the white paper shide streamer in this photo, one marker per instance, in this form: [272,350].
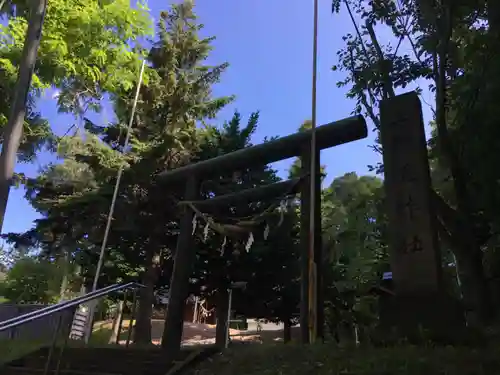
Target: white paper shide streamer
[250,242]
[223,246]
[195,223]
[282,210]
[205,232]
[266,232]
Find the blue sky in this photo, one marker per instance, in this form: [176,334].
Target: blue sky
[268,44]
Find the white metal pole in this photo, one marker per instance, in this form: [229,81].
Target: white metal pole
[228,327]
[117,184]
[195,310]
[102,253]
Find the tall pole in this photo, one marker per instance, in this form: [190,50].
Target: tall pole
[312,215]
[117,184]
[102,253]
[228,320]
[64,282]
[13,132]
[195,310]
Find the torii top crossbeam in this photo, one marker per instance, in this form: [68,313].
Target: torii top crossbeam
[329,135]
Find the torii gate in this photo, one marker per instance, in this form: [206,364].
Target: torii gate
[295,145]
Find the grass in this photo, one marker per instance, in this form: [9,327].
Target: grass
[14,349]
[103,331]
[293,359]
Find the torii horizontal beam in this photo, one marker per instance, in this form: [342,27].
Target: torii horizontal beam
[329,135]
[277,189]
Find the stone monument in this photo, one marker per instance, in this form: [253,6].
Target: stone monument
[419,301]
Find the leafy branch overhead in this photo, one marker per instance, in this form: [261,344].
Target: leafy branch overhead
[84,53]
[445,48]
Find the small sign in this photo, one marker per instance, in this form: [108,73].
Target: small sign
[79,322]
[415,260]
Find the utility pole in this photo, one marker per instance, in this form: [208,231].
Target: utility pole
[13,132]
[313,266]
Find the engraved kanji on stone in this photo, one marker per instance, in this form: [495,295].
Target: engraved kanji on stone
[408,246]
[406,174]
[407,208]
[415,245]
[410,207]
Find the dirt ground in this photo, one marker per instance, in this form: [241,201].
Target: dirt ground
[204,334]
[196,334]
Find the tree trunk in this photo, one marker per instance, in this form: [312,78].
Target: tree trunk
[221,312]
[469,258]
[287,331]
[146,298]
[64,282]
[473,284]
[117,324]
[493,8]
[469,250]
[13,131]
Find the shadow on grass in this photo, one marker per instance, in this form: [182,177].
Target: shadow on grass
[14,349]
[323,359]
[11,350]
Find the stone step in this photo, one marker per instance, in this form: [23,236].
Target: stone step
[112,350]
[105,354]
[107,366]
[98,358]
[97,361]
[11,370]
[116,361]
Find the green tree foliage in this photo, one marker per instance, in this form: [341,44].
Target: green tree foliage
[354,236]
[352,214]
[296,166]
[84,53]
[4,261]
[172,127]
[273,276]
[272,287]
[32,280]
[89,167]
[452,48]
[74,196]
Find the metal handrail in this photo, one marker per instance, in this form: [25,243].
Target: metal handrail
[37,314]
[48,308]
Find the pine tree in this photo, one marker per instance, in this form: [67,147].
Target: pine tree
[175,98]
